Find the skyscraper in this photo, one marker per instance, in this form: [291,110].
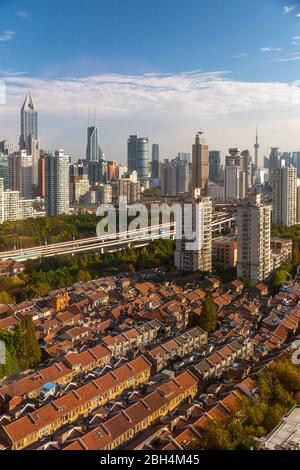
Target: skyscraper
[235,183]
[29,124]
[93,149]
[256,149]
[29,136]
[175,176]
[247,168]
[284,195]
[214,166]
[155,166]
[57,183]
[200,163]
[198,220]
[138,156]
[274,159]
[254,238]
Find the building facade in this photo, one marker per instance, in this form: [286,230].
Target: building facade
[200,163]
[254,239]
[194,248]
[284,195]
[57,183]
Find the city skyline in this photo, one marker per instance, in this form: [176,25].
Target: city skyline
[224,88]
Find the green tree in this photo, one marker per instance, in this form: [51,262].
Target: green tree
[208,317]
[26,345]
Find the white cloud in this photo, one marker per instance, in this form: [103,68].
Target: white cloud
[169,108]
[290,57]
[7,36]
[270,49]
[241,55]
[23,14]
[288,8]
[296,41]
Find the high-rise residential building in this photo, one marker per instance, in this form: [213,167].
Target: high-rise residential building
[12,207]
[214,166]
[175,177]
[79,187]
[254,239]
[20,173]
[129,189]
[93,149]
[284,195]
[195,255]
[29,124]
[296,160]
[216,192]
[41,177]
[200,164]
[138,156]
[298,201]
[4,169]
[105,194]
[155,164]
[57,183]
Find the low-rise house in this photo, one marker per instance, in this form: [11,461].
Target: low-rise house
[79,402]
[215,364]
[10,267]
[123,427]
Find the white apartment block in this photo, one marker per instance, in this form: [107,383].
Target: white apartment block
[254,239]
[284,195]
[235,183]
[20,173]
[12,207]
[195,255]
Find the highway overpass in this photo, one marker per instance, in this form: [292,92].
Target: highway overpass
[119,241]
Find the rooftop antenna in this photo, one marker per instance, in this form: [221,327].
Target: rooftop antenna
[95,113]
[88,117]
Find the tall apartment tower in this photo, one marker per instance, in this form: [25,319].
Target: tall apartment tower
[284,195]
[20,174]
[175,177]
[138,156]
[254,238]
[57,183]
[200,164]
[195,255]
[93,149]
[214,166]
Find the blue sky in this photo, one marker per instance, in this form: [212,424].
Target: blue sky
[132,60]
